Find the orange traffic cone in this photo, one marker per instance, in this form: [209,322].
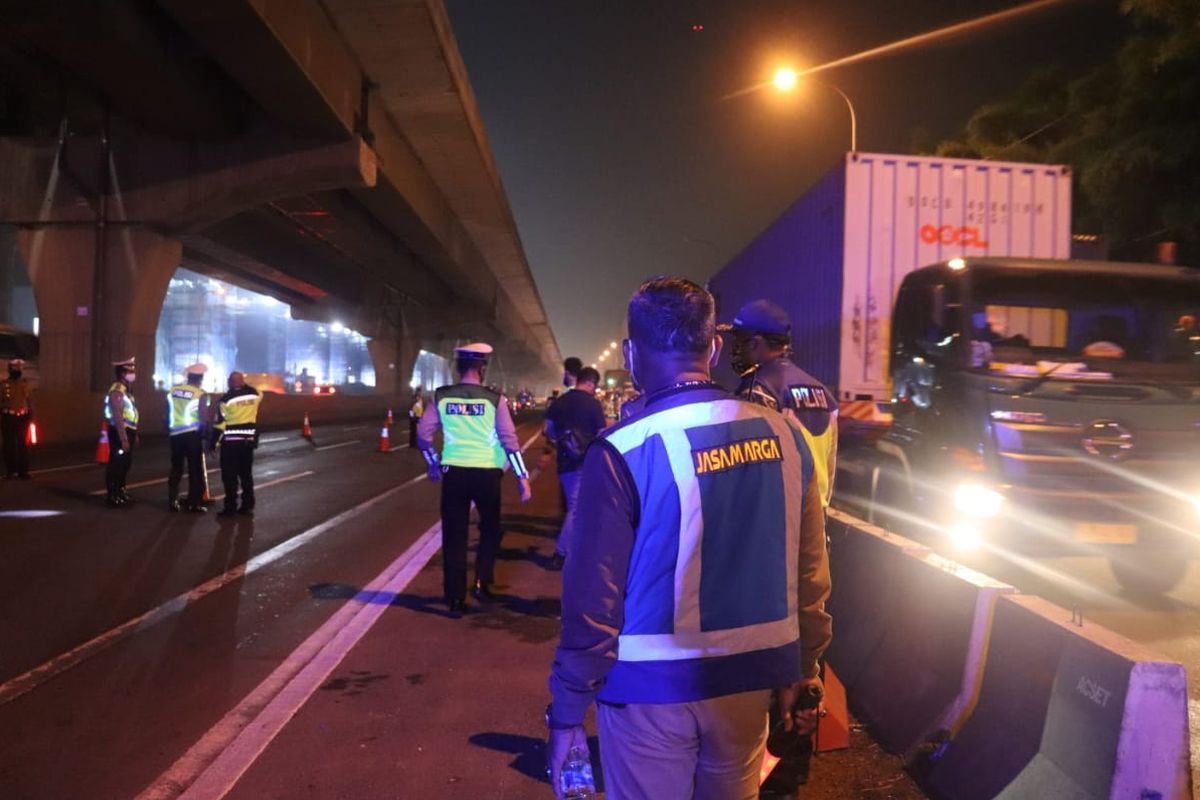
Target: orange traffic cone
[833,730]
[389,418]
[102,446]
[385,443]
[306,431]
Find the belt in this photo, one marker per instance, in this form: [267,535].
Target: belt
[14,412]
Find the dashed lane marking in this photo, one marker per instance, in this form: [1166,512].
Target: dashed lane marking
[26,682]
[275,482]
[64,469]
[143,484]
[339,444]
[214,765]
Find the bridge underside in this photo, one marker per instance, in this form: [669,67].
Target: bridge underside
[328,154]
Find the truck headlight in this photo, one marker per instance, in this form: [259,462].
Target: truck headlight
[965,537]
[979,502]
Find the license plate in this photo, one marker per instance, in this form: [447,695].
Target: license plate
[1105,533]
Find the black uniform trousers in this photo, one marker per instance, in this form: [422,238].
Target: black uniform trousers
[13,429]
[187,447]
[460,487]
[237,466]
[119,460]
[412,431]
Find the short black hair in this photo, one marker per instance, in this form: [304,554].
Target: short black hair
[572,365]
[464,364]
[672,315]
[588,375]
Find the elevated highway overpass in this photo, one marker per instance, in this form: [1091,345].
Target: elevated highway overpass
[328,153]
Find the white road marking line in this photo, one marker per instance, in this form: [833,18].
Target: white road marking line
[143,484]
[354,428]
[275,482]
[64,469]
[15,687]
[274,439]
[213,766]
[339,444]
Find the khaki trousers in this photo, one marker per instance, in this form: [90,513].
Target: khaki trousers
[705,750]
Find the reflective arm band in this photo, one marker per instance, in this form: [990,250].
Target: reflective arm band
[518,464]
[431,457]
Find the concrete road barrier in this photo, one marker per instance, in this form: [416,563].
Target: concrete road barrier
[866,592]
[925,674]
[1067,712]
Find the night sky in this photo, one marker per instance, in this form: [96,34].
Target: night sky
[621,160]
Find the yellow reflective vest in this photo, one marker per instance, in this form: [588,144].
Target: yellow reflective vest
[183,408]
[129,411]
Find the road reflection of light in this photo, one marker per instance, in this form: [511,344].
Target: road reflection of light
[31,513]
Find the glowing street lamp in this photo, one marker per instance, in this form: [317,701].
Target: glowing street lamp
[612,345]
[785,80]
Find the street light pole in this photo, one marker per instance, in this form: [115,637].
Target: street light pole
[853,116]
[785,80]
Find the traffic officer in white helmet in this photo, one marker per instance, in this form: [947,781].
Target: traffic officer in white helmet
[187,411]
[121,415]
[478,439]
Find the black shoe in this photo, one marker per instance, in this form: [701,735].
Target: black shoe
[115,501]
[246,512]
[457,607]
[482,592]
[196,508]
[227,512]
[126,498]
[557,561]
[174,505]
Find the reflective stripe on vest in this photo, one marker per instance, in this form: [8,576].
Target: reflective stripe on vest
[469,437]
[129,412]
[714,567]
[241,416]
[183,406]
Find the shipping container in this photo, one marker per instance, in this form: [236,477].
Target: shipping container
[835,258]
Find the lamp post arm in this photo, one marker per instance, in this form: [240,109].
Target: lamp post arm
[853,117]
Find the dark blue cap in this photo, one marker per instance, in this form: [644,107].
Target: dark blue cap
[760,317]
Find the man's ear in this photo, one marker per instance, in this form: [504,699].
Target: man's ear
[718,344]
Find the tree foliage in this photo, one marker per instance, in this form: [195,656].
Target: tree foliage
[1130,129]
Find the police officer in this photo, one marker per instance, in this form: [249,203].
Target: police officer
[478,438]
[760,354]
[16,412]
[414,415]
[187,411]
[697,576]
[121,414]
[237,418]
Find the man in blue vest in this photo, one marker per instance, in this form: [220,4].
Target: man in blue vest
[698,575]
[478,439]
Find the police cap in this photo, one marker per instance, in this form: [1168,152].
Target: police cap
[16,363]
[477,351]
[196,369]
[126,362]
[760,318]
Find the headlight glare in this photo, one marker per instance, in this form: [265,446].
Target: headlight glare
[977,501]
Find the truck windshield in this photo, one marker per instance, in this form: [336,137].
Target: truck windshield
[1120,324]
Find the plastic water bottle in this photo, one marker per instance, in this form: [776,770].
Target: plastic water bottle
[576,777]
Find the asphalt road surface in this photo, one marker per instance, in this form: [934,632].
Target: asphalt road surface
[302,653]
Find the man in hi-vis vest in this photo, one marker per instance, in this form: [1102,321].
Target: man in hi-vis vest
[478,439]
[187,411]
[698,573]
[237,419]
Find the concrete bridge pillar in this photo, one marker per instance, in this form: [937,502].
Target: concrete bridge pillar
[394,359]
[95,310]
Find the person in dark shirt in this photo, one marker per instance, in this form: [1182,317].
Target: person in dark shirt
[571,424]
